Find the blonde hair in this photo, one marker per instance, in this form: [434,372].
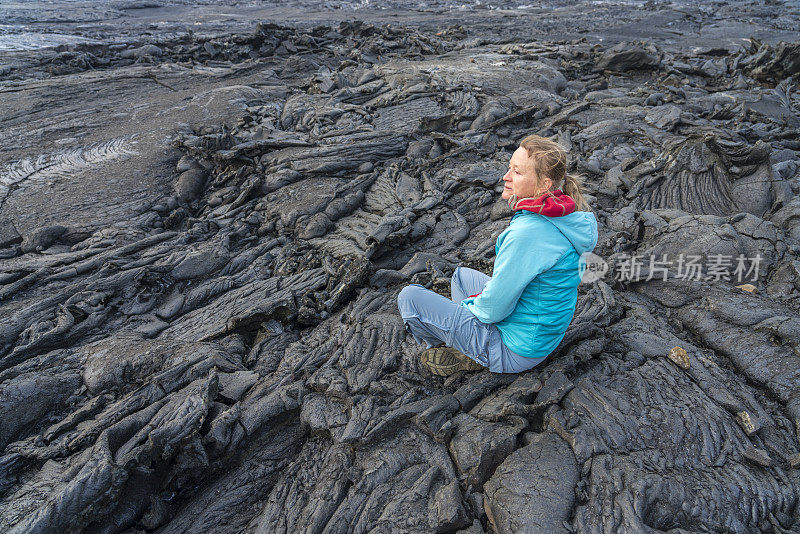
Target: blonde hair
[550,161]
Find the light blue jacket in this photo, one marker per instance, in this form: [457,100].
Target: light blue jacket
[532,294]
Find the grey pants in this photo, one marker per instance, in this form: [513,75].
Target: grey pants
[433,319]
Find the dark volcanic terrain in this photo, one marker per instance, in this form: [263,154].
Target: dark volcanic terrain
[207,212]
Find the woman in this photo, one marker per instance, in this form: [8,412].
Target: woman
[512,321]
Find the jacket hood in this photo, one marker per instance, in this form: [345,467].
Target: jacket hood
[580,227]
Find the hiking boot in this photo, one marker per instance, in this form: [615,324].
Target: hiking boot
[445,361]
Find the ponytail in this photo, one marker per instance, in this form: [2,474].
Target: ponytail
[573,188]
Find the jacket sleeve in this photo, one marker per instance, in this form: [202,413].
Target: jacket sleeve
[520,258]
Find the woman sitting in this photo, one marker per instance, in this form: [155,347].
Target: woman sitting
[512,321]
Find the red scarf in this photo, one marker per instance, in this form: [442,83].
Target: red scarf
[551,204]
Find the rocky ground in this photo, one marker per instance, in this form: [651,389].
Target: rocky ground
[205,222]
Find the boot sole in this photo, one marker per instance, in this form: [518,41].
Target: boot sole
[445,361]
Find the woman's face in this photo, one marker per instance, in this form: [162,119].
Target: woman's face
[520,179]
